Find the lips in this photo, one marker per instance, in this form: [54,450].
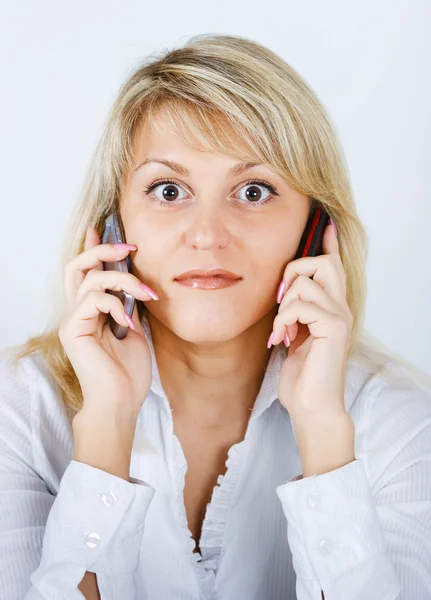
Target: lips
[201,274]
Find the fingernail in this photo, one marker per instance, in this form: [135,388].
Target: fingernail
[147,289]
[129,320]
[280,292]
[286,341]
[128,246]
[271,337]
[334,226]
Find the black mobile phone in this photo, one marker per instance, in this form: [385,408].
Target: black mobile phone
[113,233]
[311,240]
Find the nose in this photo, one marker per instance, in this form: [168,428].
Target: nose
[208,230]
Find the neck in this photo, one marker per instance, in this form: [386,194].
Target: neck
[212,386]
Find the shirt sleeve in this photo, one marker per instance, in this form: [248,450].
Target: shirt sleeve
[363,530]
[47,542]
[95,524]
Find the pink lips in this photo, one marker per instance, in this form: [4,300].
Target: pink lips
[213,279]
[207,283]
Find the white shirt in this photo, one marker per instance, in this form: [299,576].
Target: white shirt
[362,531]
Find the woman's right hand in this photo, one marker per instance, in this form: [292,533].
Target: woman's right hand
[114,374]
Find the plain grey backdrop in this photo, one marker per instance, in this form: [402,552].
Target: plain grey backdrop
[368,61]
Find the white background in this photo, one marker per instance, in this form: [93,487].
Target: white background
[368,61]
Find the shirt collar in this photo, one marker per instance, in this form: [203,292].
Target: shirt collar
[268,391]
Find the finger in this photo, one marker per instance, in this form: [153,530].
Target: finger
[330,244]
[94,256]
[324,269]
[91,259]
[331,247]
[116,281]
[92,237]
[136,320]
[83,321]
[322,324]
[304,288]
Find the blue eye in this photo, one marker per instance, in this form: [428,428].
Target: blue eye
[172,185]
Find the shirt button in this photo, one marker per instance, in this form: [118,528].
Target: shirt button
[314,499]
[109,498]
[92,540]
[324,547]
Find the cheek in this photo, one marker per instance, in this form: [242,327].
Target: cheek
[269,255]
[152,254]
[271,252]
[147,234]
[150,259]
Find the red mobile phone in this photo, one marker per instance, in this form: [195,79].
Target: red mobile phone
[311,240]
[114,233]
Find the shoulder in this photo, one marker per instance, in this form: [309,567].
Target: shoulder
[25,378]
[18,380]
[381,379]
[390,403]
[35,424]
[16,408]
[375,376]
[30,398]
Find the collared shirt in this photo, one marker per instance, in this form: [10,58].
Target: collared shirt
[362,531]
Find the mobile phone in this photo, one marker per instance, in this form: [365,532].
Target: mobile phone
[311,243]
[312,237]
[113,233]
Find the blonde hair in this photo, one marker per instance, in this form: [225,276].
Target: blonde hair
[213,86]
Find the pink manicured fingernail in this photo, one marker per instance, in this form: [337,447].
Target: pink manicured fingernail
[129,320]
[333,225]
[280,292]
[147,289]
[286,341]
[271,337]
[128,246]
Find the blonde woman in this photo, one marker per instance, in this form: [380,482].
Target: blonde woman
[193,459]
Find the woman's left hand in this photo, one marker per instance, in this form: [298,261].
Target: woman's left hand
[312,377]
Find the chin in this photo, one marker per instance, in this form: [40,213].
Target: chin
[197,325]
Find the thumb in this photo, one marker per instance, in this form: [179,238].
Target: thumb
[92,237]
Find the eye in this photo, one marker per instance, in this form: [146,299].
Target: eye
[169,193]
[253,196]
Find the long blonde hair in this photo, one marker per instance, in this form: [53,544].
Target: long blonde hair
[219,90]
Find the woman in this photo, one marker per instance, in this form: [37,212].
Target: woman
[192,459]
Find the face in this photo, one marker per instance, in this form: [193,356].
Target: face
[204,219]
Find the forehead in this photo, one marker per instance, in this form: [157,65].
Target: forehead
[162,134]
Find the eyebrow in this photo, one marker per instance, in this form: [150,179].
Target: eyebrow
[237,169]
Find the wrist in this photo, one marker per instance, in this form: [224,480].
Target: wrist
[110,416]
[104,442]
[325,442]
